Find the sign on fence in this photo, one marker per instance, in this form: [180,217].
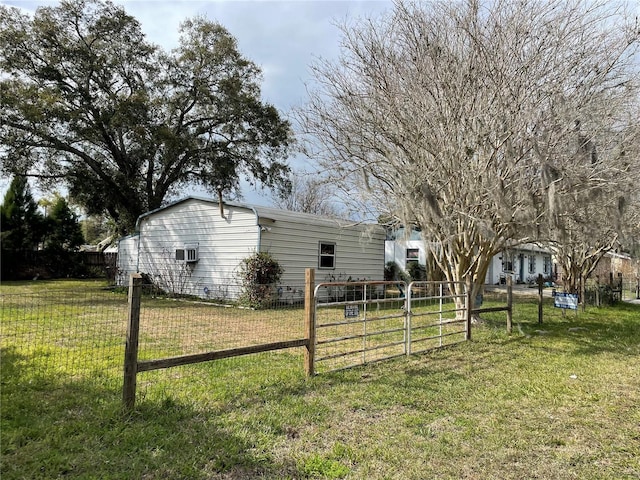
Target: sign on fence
[566,300]
[351,311]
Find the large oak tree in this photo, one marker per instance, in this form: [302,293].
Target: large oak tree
[86,101]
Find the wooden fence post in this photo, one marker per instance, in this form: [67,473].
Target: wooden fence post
[540,286]
[509,303]
[470,305]
[310,318]
[131,348]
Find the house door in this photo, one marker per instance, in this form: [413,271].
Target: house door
[521,267]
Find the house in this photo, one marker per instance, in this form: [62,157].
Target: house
[524,262]
[404,250]
[195,246]
[614,265]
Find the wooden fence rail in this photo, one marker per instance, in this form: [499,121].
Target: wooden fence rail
[132,366]
[507,308]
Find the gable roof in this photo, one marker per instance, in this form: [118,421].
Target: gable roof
[263,213]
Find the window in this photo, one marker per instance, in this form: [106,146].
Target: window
[507,262]
[327,255]
[532,263]
[187,254]
[547,265]
[412,256]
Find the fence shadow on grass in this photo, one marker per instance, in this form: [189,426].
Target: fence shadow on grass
[55,426]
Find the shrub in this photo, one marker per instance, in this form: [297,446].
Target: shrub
[417,272]
[392,271]
[259,274]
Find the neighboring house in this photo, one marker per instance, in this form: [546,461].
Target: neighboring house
[404,250]
[195,246]
[524,263]
[614,265]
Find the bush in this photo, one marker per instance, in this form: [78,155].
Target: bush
[417,272]
[599,295]
[259,275]
[392,271]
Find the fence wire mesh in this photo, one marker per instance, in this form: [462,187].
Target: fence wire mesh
[68,332]
[63,334]
[194,323]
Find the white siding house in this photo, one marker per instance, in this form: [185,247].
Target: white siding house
[403,252]
[196,247]
[523,262]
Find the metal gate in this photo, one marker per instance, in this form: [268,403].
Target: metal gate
[364,322]
[436,315]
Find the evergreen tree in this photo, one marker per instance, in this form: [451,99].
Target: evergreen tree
[65,232]
[22,223]
[88,101]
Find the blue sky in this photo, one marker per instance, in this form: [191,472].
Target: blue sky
[282,37]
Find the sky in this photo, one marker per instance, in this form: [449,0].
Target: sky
[283,37]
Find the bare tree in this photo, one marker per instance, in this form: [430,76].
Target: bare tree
[594,210]
[460,117]
[309,194]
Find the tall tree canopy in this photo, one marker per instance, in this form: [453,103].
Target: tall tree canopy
[463,117]
[87,101]
[309,194]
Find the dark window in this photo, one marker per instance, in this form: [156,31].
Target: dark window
[187,254]
[413,255]
[327,255]
[507,262]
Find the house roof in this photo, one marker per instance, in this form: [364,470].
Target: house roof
[265,214]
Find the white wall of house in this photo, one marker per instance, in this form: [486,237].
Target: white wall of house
[127,259]
[295,239]
[403,252]
[524,262]
[222,242]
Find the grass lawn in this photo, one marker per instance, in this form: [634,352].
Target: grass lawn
[559,400]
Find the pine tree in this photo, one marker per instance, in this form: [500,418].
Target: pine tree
[22,223]
[65,232]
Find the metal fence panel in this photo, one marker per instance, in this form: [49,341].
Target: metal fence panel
[364,322]
[437,315]
[358,322]
[65,335]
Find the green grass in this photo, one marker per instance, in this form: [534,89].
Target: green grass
[553,401]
